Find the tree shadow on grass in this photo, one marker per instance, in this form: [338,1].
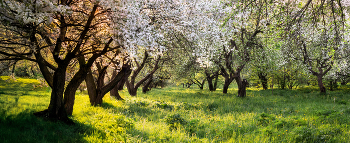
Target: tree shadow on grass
[134,109]
[139,136]
[18,124]
[25,127]
[107,105]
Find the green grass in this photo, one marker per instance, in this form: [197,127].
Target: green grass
[177,114]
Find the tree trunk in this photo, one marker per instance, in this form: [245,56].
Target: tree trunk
[73,85]
[121,83]
[210,83]
[202,84]
[56,110]
[131,89]
[263,80]
[215,83]
[226,85]
[145,88]
[99,90]
[188,84]
[69,98]
[199,84]
[93,90]
[242,89]
[210,78]
[201,87]
[242,85]
[98,98]
[100,84]
[114,92]
[320,83]
[13,69]
[91,87]
[345,81]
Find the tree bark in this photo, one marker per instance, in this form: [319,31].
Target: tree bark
[242,89]
[210,84]
[210,78]
[56,110]
[320,83]
[13,69]
[263,79]
[215,83]
[228,79]
[145,87]
[114,92]
[69,93]
[198,83]
[91,87]
[242,85]
[321,65]
[100,84]
[131,89]
[99,90]
[73,85]
[202,84]
[226,84]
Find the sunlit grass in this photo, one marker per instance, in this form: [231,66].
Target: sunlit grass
[177,114]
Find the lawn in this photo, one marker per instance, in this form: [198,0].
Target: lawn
[176,114]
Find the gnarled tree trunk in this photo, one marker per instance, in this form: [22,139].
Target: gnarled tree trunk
[320,83]
[263,79]
[210,78]
[145,87]
[114,92]
[200,84]
[242,85]
[131,89]
[56,110]
[101,89]
[215,83]
[91,87]
[130,83]
[210,84]
[226,85]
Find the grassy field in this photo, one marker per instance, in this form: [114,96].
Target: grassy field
[175,114]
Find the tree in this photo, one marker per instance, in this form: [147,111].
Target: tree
[161,77]
[114,92]
[247,23]
[130,83]
[210,75]
[66,32]
[227,33]
[98,88]
[147,35]
[314,35]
